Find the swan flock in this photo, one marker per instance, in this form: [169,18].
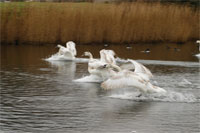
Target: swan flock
[110,73]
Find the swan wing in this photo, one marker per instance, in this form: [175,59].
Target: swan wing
[72,47]
[110,56]
[62,49]
[95,64]
[127,66]
[154,89]
[115,83]
[131,80]
[102,55]
[60,46]
[65,51]
[110,59]
[107,56]
[124,79]
[139,68]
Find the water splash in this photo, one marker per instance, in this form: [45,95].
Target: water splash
[155,83]
[81,60]
[184,82]
[57,57]
[198,55]
[170,96]
[89,79]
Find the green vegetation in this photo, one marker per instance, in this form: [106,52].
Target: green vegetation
[32,22]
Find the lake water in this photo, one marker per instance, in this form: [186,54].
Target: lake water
[39,96]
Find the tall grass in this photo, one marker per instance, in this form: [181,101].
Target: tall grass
[97,23]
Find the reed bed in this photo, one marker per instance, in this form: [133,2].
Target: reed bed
[86,23]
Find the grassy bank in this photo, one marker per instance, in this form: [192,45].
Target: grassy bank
[97,23]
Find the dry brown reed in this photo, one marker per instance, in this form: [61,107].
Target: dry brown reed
[97,23]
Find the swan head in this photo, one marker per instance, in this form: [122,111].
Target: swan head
[70,44]
[108,66]
[58,46]
[86,53]
[104,66]
[198,41]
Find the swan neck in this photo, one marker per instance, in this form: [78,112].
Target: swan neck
[90,56]
[102,56]
[116,67]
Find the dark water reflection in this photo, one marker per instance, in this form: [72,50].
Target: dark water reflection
[172,52]
[39,96]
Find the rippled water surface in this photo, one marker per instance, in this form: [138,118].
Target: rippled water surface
[40,96]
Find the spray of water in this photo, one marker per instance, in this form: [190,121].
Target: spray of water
[170,96]
[58,57]
[89,79]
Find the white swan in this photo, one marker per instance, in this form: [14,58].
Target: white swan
[69,51]
[94,65]
[126,78]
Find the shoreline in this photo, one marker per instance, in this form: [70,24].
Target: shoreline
[98,44]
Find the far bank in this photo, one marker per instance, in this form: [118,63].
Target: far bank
[87,23]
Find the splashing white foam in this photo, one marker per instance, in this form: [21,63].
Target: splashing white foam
[184,82]
[155,83]
[57,57]
[89,79]
[167,97]
[81,60]
[198,56]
